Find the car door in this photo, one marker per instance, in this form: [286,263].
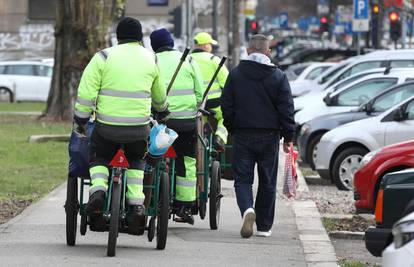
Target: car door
[22,75]
[360,93]
[399,131]
[43,80]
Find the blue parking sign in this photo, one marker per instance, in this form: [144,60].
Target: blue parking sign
[284,20]
[361,8]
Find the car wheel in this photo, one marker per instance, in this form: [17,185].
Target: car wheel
[312,149]
[6,93]
[345,166]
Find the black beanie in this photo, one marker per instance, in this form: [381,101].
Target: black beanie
[129,28]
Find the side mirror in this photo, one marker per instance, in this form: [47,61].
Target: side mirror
[327,99]
[367,108]
[398,114]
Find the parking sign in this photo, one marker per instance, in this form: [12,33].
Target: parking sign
[360,21]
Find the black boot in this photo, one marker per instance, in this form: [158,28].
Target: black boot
[96,202]
[218,144]
[136,219]
[94,210]
[184,215]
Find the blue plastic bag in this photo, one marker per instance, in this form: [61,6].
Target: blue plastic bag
[79,153]
[161,138]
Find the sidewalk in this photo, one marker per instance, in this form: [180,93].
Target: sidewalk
[37,238]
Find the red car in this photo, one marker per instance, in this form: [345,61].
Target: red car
[374,166]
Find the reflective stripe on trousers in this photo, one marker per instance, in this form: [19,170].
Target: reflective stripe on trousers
[186,186]
[135,185]
[99,179]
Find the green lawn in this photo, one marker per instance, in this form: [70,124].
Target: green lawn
[29,171]
[23,106]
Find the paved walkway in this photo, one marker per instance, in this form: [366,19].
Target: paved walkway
[37,238]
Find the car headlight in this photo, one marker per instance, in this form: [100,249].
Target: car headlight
[368,157]
[304,129]
[403,233]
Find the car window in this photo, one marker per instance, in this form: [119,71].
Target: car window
[20,70]
[350,80]
[326,77]
[402,63]
[360,67]
[2,68]
[409,111]
[45,71]
[364,91]
[316,72]
[393,97]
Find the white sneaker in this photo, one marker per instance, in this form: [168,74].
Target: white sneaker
[249,217]
[264,233]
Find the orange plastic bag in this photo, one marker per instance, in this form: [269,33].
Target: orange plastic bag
[290,175]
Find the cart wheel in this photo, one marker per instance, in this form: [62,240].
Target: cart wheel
[163,211]
[215,195]
[113,227]
[83,224]
[151,229]
[202,208]
[71,209]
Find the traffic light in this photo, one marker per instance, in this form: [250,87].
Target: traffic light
[395,26]
[324,24]
[251,27]
[177,21]
[375,9]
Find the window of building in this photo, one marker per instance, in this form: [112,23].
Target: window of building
[42,9]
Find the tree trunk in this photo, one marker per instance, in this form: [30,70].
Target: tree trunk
[82,28]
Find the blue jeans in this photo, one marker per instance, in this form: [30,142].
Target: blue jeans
[263,150]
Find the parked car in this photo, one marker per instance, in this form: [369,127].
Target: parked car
[374,166]
[313,130]
[401,251]
[353,95]
[25,80]
[340,151]
[307,71]
[394,202]
[403,58]
[316,55]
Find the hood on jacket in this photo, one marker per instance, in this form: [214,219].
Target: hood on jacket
[256,71]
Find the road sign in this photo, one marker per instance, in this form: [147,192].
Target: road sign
[157,2]
[284,20]
[360,22]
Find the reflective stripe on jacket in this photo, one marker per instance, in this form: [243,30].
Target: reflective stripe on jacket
[208,64]
[187,91]
[124,81]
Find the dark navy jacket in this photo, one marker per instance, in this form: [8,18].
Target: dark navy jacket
[257,98]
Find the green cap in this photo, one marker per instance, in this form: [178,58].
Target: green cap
[204,38]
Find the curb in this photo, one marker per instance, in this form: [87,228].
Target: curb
[347,235]
[316,244]
[31,208]
[25,113]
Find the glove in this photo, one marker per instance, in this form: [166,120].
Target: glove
[161,116]
[79,129]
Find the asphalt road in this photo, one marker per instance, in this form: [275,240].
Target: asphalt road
[37,238]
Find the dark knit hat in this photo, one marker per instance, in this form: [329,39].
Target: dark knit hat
[160,38]
[129,28]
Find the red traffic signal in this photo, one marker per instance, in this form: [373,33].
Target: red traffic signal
[394,16]
[253,25]
[324,20]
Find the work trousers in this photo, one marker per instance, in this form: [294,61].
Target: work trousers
[185,168]
[102,151]
[248,150]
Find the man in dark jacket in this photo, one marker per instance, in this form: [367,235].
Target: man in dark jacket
[258,110]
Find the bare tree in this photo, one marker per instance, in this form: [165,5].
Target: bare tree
[82,28]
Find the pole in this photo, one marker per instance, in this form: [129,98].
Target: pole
[357,44]
[215,17]
[223,60]
[183,57]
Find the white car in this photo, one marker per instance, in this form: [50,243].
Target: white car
[353,95]
[25,80]
[401,252]
[340,152]
[403,58]
[304,100]
[308,71]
